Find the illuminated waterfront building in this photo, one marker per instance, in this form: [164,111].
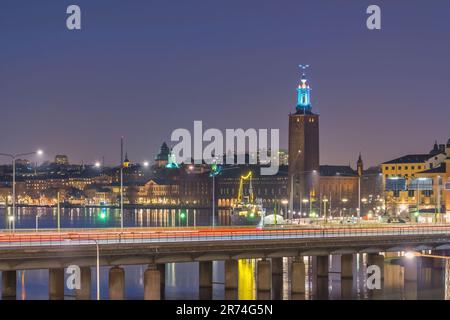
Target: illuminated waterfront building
[417,185]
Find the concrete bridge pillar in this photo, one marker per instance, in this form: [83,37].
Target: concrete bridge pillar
[264,281]
[152,283]
[162,271]
[205,274]
[377,260]
[85,282]
[347,266]
[231,274]
[56,283]
[277,266]
[322,266]
[116,283]
[298,276]
[9,284]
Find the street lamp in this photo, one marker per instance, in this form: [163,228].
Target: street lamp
[291,197]
[215,171]
[38,215]
[121,182]
[325,201]
[98,269]
[344,201]
[418,195]
[285,203]
[11,221]
[14,158]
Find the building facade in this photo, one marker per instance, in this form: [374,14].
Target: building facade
[416,185]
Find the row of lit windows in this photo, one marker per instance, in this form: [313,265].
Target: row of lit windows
[412,193]
[404,168]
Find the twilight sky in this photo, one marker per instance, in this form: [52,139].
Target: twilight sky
[143,68]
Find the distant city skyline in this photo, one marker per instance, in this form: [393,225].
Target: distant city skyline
[141,70]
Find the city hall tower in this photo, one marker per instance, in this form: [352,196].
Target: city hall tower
[303,149]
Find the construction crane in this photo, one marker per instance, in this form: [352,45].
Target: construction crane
[250,188]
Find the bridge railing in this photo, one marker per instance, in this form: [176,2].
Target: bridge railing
[87,237]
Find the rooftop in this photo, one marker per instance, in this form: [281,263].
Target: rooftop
[328,171]
[410,158]
[441,169]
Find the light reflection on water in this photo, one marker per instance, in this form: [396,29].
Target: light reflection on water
[182,283]
[110,217]
[182,278]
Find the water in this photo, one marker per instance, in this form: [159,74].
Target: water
[110,218]
[182,278]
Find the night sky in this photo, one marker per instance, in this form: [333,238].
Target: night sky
[144,68]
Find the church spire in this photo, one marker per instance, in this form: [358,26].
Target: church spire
[126,162]
[303,93]
[360,165]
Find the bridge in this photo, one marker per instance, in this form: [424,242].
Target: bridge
[155,247]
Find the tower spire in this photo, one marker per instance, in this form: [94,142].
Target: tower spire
[303,92]
[360,165]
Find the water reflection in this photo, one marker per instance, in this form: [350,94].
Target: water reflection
[182,283]
[247,279]
[27,218]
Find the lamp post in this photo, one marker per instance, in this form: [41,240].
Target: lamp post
[305,202]
[325,201]
[121,182]
[359,197]
[438,199]
[37,220]
[291,196]
[285,203]
[14,158]
[98,269]
[418,196]
[344,201]
[58,211]
[360,200]
[215,171]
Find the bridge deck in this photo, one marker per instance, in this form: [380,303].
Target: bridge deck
[31,250]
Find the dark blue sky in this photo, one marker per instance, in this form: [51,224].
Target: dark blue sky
[143,68]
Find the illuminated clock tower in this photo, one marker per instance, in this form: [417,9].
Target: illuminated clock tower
[303,152]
